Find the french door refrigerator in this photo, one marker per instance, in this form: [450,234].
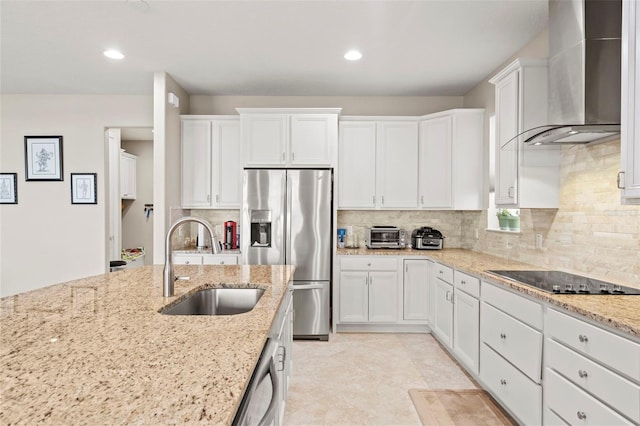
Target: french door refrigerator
[286,219]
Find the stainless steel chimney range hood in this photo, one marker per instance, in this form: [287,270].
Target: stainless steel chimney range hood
[584,74]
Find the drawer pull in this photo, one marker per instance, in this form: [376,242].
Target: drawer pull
[186,262]
[222,262]
[441,272]
[581,415]
[463,282]
[582,374]
[503,382]
[368,264]
[583,338]
[503,336]
[446,296]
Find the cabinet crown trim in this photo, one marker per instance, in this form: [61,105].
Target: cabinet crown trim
[209,117]
[517,64]
[289,110]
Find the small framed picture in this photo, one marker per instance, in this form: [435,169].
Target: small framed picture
[84,188]
[8,188]
[43,157]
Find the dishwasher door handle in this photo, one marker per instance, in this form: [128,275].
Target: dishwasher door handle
[307,286]
[270,416]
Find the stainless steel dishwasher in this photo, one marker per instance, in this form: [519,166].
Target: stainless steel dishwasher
[259,404]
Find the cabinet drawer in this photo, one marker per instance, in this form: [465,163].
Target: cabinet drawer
[609,349]
[443,272]
[519,307]
[187,259]
[514,390]
[601,382]
[467,283]
[575,406]
[219,259]
[520,344]
[379,263]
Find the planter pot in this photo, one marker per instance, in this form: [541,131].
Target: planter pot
[504,222]
[514,223]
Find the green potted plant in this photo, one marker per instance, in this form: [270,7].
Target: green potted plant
[503,219]
[514,221]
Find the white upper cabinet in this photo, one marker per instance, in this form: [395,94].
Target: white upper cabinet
[356,164]
[128,170]
[211,162]
[450,165]
[378,163]
[629,177]
[526,176]
[302,137]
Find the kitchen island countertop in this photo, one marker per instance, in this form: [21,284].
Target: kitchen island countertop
[620,313]
[97,351]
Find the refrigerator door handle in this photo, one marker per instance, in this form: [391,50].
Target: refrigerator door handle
[287,221]
[307,286]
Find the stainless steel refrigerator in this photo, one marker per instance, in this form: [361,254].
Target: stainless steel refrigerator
[286,219]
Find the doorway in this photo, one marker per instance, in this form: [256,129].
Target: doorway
[130,195]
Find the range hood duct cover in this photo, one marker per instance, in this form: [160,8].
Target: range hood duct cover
[584,73]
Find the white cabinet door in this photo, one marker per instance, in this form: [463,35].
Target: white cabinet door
[196,163]
[265,139]
[443,318]
[630,114]
[436,163]
[225,170]
[354,297]
[128,176]
[506,128]
[383,290]
[313,139]
[466,332]
[356,164]
[431,299]
[416,278]
[397,164]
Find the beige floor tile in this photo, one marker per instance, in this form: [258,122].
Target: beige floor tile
[364,379]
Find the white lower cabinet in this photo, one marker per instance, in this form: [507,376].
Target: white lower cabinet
[415,290]
[511,351]
[204,259]
[368,296]
[443,318]
[516,392]
[591,375]
[466,329]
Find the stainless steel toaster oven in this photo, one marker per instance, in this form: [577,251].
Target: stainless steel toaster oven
[385,237]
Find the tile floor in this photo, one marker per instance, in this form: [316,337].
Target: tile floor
[364,379]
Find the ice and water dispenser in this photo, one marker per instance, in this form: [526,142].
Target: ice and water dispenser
[260,228]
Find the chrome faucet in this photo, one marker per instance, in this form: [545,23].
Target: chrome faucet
[168,274]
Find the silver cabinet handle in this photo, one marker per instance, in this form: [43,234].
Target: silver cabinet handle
[446,296]
[369,264]
[582,373]
[510,192]
[441,272]
[208,198]
[374,199]
[383,200]
[620,180]
[583,338]
[293,156]
[463,282]
[503,336]
[222,262]
[422,199]
[186,262]
[503,382]
[581,415]
[283,357]
[217,198]
[283,157]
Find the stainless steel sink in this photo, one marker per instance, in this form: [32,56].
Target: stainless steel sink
[217,301]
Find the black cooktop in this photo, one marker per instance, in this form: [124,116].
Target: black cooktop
[559,282]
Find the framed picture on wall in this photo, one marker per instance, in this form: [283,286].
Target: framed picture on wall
[84,188]
[8,188]
[43,158]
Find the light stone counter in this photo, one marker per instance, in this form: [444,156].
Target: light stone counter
[96,350]
[621,313]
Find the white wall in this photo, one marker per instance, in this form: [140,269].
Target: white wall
[44,239]
[166,161]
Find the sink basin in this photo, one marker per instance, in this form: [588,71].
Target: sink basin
[217,301]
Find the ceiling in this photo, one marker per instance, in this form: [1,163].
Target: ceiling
[265,47]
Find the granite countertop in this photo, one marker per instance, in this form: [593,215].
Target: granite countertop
[621,313]
[97,351]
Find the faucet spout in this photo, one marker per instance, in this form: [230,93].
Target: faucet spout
[168,275]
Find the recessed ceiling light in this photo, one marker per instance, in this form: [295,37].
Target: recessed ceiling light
[113,54]
[352,55]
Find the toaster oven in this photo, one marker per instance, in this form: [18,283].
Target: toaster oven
[390,237]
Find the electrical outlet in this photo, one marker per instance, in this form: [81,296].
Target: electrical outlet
[538,241]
